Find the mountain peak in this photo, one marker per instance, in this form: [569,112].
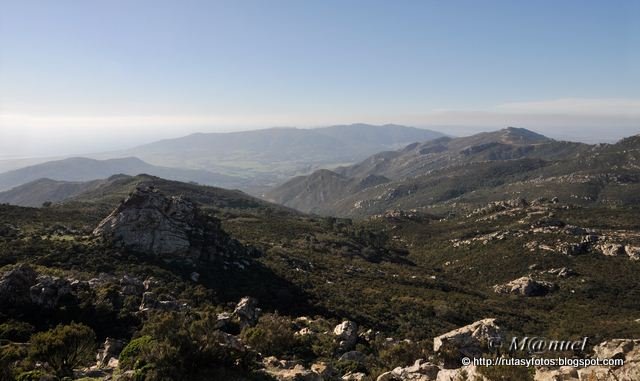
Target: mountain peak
[516,135]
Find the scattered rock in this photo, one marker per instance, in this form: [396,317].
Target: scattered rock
[421,370]
[354,376]
[568,248]
[562,272]
[525,286]
[283,370]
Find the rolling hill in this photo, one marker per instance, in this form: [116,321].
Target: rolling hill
[81,169]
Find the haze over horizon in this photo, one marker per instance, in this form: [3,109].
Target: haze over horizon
[79,78]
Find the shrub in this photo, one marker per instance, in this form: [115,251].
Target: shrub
[132,351]
[64,347]
[273,335]
[402,354]
[16,331]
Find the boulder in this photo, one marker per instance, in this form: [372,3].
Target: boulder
[354,356]
[470,340]
[525,286]
[15,285]
[611,249]
[247,311]
[110,351]
[48,290]
[633,252]
[347,333]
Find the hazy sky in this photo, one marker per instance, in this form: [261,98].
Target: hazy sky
[80,76]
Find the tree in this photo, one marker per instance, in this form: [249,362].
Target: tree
[64,348]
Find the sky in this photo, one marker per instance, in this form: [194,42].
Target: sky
[87,76]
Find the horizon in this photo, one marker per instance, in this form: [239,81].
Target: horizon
[101,76]
[97,155]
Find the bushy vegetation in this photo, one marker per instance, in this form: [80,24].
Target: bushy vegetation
[64,347]
[271,336]
[401,277]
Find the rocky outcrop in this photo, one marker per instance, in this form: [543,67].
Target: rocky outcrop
[108,355]
[525,286]
[623,349]
[347,334]
[247,311]
[469,340]
[611,249]
[15,286]
[48,290]
[151,301]
[151,223]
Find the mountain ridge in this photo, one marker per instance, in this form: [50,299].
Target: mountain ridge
[446,169]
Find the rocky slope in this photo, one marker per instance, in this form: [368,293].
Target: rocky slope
[470,171]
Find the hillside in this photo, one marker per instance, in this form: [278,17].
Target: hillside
[470,171]
[330,290]
[36,193]
[271,155]
[84,169]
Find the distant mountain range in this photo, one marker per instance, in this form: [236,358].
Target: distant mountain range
[250,160]
[443,173]
[270,156]
[512,162]
[84,169]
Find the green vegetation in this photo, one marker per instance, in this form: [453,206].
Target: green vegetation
[64,347]
[399,275]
